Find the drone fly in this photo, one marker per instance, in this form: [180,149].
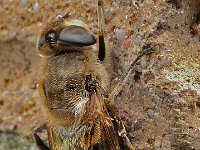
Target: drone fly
[73,82]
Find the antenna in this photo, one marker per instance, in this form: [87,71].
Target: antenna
[102,49]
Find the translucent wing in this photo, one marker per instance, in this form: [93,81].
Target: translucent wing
[114,136]
[102,135]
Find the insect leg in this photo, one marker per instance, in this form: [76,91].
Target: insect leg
[102,48]
[123,139]
[124,77]
[38,140]
[123,134]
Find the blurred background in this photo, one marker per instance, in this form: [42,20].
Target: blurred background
[160,104]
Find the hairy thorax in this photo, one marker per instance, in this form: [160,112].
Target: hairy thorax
[64,86]
[64,81]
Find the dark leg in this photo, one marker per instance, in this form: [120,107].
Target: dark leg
[102,48]
[125,75]
[38,140]
[123,140]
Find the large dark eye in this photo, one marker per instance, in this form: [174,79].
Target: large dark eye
[51,36]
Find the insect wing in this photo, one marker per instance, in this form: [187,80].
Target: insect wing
[108,136]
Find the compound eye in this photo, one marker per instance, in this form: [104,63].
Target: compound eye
[77,35]
[51,36]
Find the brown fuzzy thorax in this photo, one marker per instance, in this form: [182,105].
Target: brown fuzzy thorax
[62,87]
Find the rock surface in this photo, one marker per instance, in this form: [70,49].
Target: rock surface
[160,104]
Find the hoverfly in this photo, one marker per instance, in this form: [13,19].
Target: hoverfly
[73,81]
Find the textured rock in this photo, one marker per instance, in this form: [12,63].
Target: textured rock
[161,97]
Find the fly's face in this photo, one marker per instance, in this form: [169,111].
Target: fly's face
[60,36]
